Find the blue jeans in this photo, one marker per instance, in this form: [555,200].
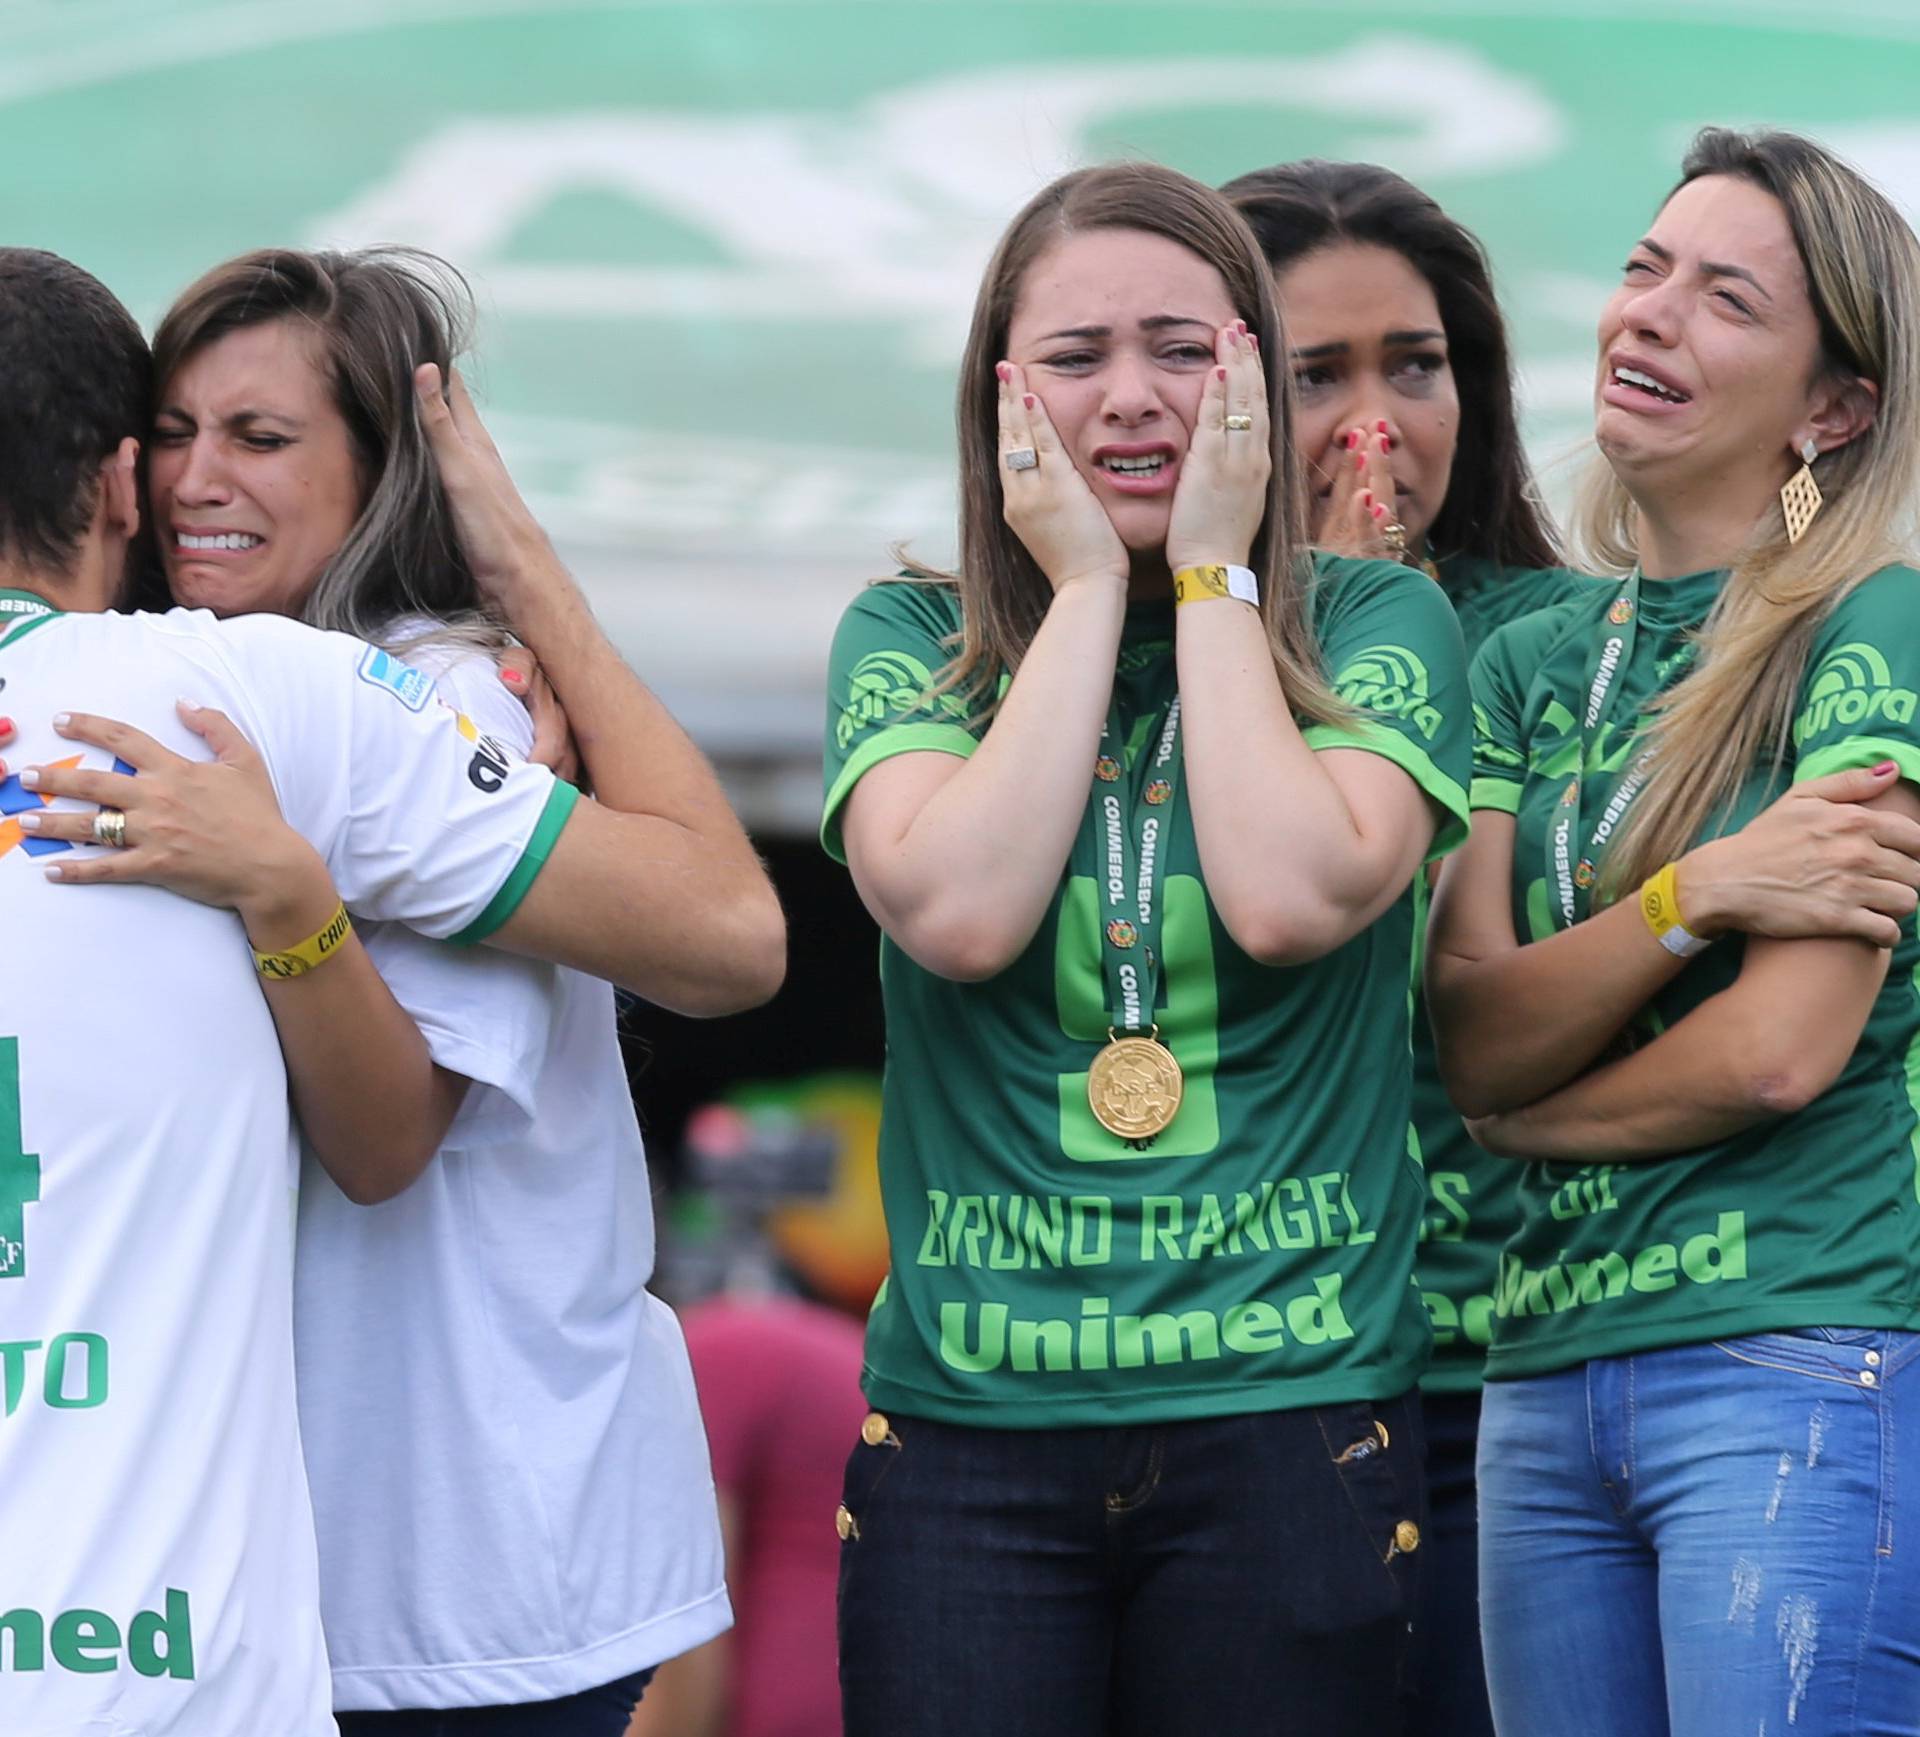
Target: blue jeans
[1224,1577]
[600,1712]
[1711,1541]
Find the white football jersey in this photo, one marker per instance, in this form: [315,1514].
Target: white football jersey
[157,1573]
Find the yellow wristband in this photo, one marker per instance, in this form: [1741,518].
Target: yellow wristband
[1201,584]
[314,951]
[1660,905]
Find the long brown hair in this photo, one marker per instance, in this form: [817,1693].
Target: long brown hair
[1735,706]
[378,314]
[1492,509]
[1003,593]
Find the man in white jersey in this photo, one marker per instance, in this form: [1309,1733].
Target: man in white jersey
[156,1552]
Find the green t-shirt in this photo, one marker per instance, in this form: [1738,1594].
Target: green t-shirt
[1258,1254]
[1473,1202]
[1811,1219]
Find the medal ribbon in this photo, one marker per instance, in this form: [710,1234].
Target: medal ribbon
[1130,819]
[1619,628]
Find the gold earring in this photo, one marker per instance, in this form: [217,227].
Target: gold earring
[1801,500]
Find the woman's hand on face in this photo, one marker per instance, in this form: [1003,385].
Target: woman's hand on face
[502,540]
[1048,504]
[553,743]
[209,830]
[1221,496]
[1353,519]
[1818,862]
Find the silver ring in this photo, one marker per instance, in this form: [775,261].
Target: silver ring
[1022,458]
[110,828]
[1238,424]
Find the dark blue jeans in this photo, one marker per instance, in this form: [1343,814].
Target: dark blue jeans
[1709,1540]
[601,1712]
[1449,1688]
[1227,1577]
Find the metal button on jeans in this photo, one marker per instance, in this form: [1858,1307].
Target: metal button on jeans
[875,1429]
[1406,1537]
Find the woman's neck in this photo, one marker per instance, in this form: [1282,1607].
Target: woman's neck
[1694,529]
[1149,578]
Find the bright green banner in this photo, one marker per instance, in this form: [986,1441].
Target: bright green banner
[725,252]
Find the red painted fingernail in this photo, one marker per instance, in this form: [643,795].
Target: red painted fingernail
[1240,325]
[1360,462]
[1379,512]
[1381,425]
[1253,338]
[1352,440]
[1366,497]
[6,726]
[1386,443]
[1027,399]
[513,678]
[1885,767]
[1004,370]
[1219,373]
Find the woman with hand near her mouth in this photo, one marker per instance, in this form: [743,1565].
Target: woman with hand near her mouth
[1138,802]
[1706,1325]
[1404,404]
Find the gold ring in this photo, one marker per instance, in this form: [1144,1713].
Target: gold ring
[1238,424]
[1395,535]
[110,828]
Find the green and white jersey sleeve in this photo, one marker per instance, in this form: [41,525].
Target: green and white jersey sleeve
[1393,646]
[892,644]
[1258,1253]
[1811,1219]
[158,1574]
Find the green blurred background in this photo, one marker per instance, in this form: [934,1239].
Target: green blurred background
[725,251]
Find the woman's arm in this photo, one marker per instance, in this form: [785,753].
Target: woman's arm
[1515,1022]
[959,859]
[715,937]
[1764,1047]
[369,1097]
[1302,849]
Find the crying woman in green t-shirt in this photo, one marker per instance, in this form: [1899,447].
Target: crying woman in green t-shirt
[1138,799]
[1705,1328]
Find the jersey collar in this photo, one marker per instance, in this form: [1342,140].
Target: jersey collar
[20,613]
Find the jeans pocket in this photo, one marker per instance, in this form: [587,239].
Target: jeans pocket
[1377,1465]
[1848,1356]
[874,1455]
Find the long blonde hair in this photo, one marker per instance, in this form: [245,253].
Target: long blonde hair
[1736,704]
[1003,593]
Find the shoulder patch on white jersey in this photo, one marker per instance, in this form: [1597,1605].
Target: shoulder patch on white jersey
[411,687]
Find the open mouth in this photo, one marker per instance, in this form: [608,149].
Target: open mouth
[1634,380]
[1151,464]
[234,542]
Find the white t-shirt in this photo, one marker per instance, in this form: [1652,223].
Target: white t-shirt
[509,1472]
[157,1572]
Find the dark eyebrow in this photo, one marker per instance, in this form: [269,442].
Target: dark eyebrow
[1313,352]
[1425,335]
[1712,267]
[1152,323]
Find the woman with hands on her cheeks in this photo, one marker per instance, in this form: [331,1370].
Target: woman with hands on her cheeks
[1706,1324]
[514,1510]
[1138,799]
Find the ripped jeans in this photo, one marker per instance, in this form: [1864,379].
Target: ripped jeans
[1715,1540]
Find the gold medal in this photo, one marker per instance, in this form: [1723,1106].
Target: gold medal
[1134,1087]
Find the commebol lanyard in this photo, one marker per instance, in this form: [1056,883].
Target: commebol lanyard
[1571,880]
[1134,1084]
